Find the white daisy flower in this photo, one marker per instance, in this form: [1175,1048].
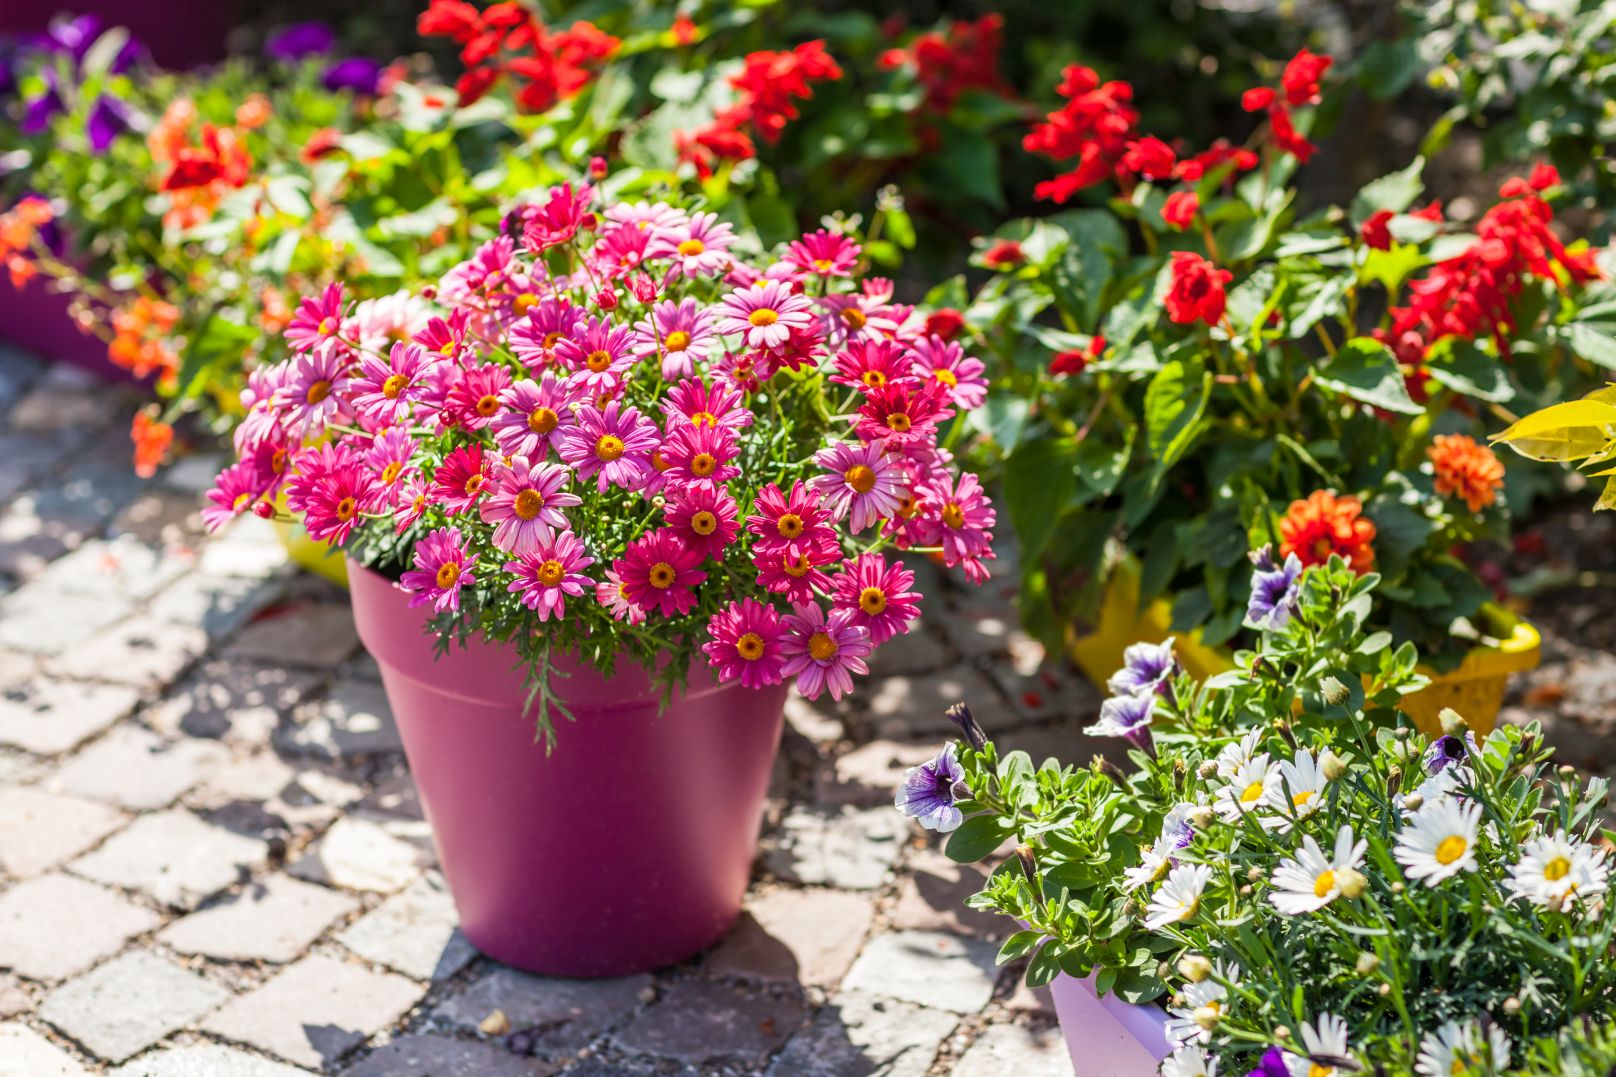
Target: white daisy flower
[1299,792]
[1325,1044]
[1208,994]
[1440,841]
[1237,754]
[1309,882]
[1554,870]
[1458,1046]
[1179,897]
[1253,783]
[1189,1061]
[1176,834]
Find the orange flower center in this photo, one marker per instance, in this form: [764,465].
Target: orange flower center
[678,340]
[750,646]
[487,406]
[277,461]
[691,247]
[662,575]
[542,420]
[704,523]
[789,525]
[550,340]
[448,573]
[346,509]
[703,464]
[318,391]
[609,447]
[474,484]
[953,515]
[797,567]
[523,303]
[874,379]
[822,647]
[860,477]
[528,503]
[598,360]
[763,316]
[898,422]
[854,318]
[391,471]
[550,573]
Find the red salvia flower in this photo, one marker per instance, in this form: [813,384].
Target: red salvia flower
[1197,292]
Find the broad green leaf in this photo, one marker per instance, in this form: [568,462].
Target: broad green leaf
[1174,403]
[1593,342]
[1039,480]
[1366,371]
[1395,192]
[1469,371]
[976,838]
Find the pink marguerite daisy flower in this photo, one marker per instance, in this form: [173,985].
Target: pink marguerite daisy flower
[534,412]
[705,517]
[858,316]
[613,444]
[610,593]
[549,573]
[877,596]
[312,396]
[233,493]
[412,500]
[863,483]
[823,652]
[549,321]
[699,248]
[695,402]
[598,355]
[618,252]
[389,457]
[681,333]
[944,366]
[317,321]
[901,415]
[473,398]
[557,219]
[866,365]
[827,254]
[384,389]
[263,404]
[460,480]
[659,573]
[699,454]
[442,568]
[797,569]
[764,314]
[378,323]
[782,519]
[965,519]
[332,488]
[745,643]
[653,217]
[525,504]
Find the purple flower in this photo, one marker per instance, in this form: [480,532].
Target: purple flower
[37,111]
[108,119]
[73,36]
[1446,750]
[1272,1064]
[1147,669]
[299,40]
[930,791]
[969,727]
[1276,591]
[356,73]
[1126,716]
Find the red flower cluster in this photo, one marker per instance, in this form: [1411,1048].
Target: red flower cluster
[965,58]
[1376,232]
[1470,295]
[1197,292]
[767,91]
[1298,87]
[506,39]
[196,176]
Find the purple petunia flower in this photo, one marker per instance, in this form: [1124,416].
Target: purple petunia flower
[299,40]
[930,791]
[1446,750]
[1276,591]
[1147,669]
[108,119]
[37,111]
[1126,716]
[1272,1064]
[356,73]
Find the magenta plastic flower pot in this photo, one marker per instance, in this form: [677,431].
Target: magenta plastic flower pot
[627,848]
[1108,1037]
[36,320]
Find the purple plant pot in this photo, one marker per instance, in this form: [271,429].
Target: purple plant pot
[179,33]
[36,320]
[1108,1037]
[627,848]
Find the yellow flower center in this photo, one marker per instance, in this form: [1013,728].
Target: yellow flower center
[860,477]
[704,523]
[1252,793]
[953,515]
[609,447]
[598,360]
[789,525]
[328,326]
[542,420]
[241,500]
[1324,884]
[678,340]
[447,348]
[822,647]
[750,646]
[474,484]
[703,464]
[390,472]
[550,573]
[1452,848]
[523,303]
[318,391]
[487,406]
[872,600]
[824,265]
[662,575]
[704,418]
[277,461]
[873,378]
[796,567]
[898,422]
[346,509]
[1302,799]
[394,385]
[1556,869]
[908,505]
[1316,1070]
[946,377]
[763,316]
[853,318]
[691,247]
[528,503]
[448,573]
[550,340]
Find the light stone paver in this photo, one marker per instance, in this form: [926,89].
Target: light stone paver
[143,651]
[1013,1051]
[359,854]
[40,829]
[863,1034]
[415,932]
[51,716]
[911,708]
[314,1012]
[848,849]
[218,605]
[45,621]
[127,568]
[870,774]
[205,1060]
[173,857]
[275,919]
[55,926]
[234,701]
[130,1003]
[137,769]
[25,1053]
[927,968]
[352,722]
[250,548]
[561,1015]
[796,936]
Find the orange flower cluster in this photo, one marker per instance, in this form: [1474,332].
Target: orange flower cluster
[139,341]
[1325,524]
[18,225]
[196,176]
[1466,469]
[151,439]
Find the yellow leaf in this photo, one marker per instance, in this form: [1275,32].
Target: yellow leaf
[1607,395]
[1607,500]
[1568,431]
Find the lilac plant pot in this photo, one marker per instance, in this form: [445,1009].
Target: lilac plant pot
[1108,1037]
[626,849]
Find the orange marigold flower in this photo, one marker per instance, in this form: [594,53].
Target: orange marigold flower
[254,112]
[1466,469]
[152,440]
[1325,524]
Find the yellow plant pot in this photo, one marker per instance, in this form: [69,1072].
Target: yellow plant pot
[1475,689]
[305,552]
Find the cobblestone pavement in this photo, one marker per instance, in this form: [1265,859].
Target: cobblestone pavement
[212,861]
